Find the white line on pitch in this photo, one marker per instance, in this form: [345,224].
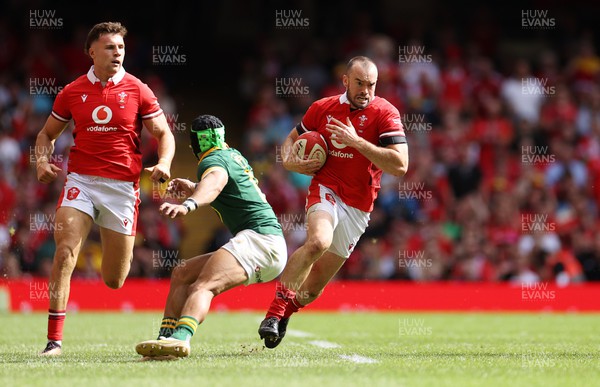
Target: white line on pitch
[324,344]
[296,333]
[354,358]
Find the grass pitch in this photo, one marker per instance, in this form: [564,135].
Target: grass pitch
[321,349]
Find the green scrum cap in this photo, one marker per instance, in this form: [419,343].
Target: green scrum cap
[207,132]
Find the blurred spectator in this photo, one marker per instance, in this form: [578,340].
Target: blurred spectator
[504,179]
[524,93]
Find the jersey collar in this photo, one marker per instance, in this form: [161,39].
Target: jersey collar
[344,99]
[211,150]
[115,78]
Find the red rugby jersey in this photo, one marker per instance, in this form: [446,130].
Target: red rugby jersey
[347,172]
[108,123]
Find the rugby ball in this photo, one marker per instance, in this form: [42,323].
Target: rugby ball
[311,145]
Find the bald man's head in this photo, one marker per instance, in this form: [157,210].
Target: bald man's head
[360,80]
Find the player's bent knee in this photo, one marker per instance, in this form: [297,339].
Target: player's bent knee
[114,283]
[205,287]
[64,258]
[312,295]
[316,246]
[178,274]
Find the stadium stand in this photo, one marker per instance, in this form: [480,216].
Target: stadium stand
[503,128]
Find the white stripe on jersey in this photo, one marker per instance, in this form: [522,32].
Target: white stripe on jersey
[303,127]
[151,115]
[390,134]
[55,115]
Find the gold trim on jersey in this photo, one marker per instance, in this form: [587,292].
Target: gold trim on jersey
[214,148]
[218,213]
[209,170]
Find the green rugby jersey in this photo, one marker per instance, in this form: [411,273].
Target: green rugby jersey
[241,205]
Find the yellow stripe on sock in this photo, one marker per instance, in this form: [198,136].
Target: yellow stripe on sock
[188,322]
[168,323]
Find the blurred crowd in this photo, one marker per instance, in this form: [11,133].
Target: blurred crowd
[504,175]
[27,215]
[503,182]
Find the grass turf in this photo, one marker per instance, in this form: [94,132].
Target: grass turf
[329,349]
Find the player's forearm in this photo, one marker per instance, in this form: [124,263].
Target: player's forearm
[205,193]
[209,187]
[286,149]
[388,160]
[44,147]
[166,148]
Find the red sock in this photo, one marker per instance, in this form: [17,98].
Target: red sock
[283,296]
[292,307]
[56,321]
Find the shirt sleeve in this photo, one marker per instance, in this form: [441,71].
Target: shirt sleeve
[309,121]
[149,106]
[210,163]
[391,130]
[60,108]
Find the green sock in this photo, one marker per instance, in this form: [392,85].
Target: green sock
[185,329]
[167,326]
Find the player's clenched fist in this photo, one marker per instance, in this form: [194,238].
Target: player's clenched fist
[159,173]
[47,172]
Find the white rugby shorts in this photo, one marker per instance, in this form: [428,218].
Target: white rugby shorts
[262,256]
[112,204]
[349,223]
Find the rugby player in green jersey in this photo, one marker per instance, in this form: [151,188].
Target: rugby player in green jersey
[256,253]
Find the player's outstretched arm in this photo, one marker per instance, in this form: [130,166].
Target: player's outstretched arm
[159,128]
[292,162]
[392,159]
[44,147]
[207,190]
[179,186]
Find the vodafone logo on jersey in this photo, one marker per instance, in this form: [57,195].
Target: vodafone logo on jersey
[337,153]
[338,145]
[102,115]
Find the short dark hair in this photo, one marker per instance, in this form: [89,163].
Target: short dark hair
[363,60]
[102,29]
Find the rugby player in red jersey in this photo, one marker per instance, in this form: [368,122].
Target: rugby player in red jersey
[109,108]
[365,137]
